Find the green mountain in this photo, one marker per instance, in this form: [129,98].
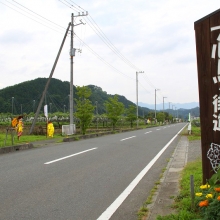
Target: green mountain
[25,97]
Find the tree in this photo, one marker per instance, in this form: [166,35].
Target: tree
[84,107]
[114,109]
[151,116]
[160,117]
[131,116]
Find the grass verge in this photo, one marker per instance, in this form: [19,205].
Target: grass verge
[183,202]
[4,142]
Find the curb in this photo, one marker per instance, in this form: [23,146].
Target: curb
[169,183]
[16,148]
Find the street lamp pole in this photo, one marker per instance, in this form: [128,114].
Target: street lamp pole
[96,114]
[12,105]
[169,106]
[137,93]
[176,113]
[155,114]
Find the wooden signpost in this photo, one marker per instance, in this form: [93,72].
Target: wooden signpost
[207,34]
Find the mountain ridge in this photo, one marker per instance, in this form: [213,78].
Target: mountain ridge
[24,98]
[159,106]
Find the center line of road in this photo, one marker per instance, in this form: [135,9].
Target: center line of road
[72,155]
[128,138]
[148,132]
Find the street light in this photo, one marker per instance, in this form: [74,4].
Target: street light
[96,114]
[155,115]
[176,113]
[64,108]
[137,92]
[173,112]
[12,104]
[163,106]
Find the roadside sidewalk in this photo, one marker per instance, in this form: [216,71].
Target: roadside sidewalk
[169,187]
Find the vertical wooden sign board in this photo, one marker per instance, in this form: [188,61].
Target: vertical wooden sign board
[207,34]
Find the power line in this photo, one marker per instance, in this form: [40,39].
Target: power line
[103,60]
[39,15]
[30,17]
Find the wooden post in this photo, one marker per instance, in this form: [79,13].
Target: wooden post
[192,192]
[207,34]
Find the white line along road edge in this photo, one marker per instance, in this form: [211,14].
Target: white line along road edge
[72,155]
[114,206]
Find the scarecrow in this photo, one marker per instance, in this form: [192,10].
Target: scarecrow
[50,129]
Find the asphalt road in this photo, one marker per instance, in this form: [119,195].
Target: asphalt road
[100,178]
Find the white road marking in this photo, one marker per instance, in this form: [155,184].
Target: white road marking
[148,132]
[114,206]
[63,158]
[158,129]
[128,138]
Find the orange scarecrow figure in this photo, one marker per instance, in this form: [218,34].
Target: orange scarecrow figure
[50,129]
[19,127]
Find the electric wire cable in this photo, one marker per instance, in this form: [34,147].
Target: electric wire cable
[31,18]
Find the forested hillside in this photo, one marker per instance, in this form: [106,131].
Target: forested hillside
[24,97]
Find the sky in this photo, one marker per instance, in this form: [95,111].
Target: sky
[126,46]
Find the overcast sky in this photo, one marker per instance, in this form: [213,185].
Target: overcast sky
[155,36]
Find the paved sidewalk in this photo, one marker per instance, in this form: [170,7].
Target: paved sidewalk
[169,187]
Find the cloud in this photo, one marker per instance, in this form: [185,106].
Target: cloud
[12,37]
[156,36]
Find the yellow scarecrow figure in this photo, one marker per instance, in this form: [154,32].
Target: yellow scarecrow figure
[19,128]
[50,129]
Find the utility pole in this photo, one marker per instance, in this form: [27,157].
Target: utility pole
[155,114]
[96,114]
[72,54]
[12,105]
[163,103]
[137,92]
[175,113]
